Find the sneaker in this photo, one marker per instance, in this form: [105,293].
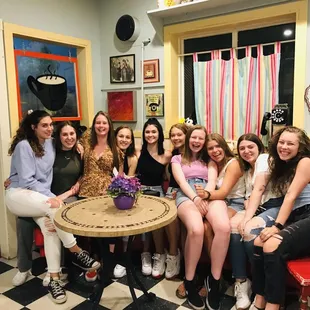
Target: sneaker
[172,266]
[193,298]
[159,265]
[119,271]
[242,294]
[63,277]
[91,276]
[84,261]
[56,292]
[213,289]
[21,277]
[146,263]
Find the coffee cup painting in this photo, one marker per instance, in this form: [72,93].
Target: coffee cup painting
[50,89]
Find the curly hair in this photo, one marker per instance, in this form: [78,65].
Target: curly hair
[253,138]
[283,172]
[26,132]
[188,154]
[110,139]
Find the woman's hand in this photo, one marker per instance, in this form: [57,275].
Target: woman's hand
[80,149]
[201,205]
[7,183]
[55,202]
[200,190]
[241,226]
[75,188]
[268,232]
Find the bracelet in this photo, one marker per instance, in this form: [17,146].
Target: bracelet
[208,195]
[194,198]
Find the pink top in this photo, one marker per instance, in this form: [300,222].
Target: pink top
[196,169]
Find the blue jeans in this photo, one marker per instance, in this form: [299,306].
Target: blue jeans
[240,249]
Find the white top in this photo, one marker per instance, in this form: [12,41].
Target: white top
[238,191]
[261,167]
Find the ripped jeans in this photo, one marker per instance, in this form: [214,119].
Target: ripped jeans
[269,268]
[27,203]
[241,248]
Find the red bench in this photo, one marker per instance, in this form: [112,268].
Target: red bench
[300,270]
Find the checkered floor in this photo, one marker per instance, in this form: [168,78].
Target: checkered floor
[32,295]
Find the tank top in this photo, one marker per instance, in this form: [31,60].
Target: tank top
[238,191]
[126,166]
[150,171]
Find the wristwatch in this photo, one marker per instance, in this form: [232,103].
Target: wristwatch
[208,195]
[278,225]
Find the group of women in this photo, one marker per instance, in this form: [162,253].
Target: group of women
[255,207]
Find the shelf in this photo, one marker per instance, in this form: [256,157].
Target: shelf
[201,9]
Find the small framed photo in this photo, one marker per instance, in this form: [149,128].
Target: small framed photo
[122,106]
[122,69]
[154,105]
[151,71]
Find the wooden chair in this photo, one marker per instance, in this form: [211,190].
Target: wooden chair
[300,270]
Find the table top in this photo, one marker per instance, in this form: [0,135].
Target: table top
[98,217]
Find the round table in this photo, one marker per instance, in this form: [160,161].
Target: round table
[98,217]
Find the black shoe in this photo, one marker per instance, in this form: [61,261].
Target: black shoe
[193,298]
[213,291]
[84,261]
[56,292]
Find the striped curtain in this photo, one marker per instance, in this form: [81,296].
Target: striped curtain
[231,96]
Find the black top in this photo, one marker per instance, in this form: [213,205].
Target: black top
[149,170]
[173,182]
[126,167]
[66,171]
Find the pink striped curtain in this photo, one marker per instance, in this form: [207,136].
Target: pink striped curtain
[232,96]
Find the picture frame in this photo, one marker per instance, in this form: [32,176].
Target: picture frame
[154,105]
[151,71]
[122,106]
[122,69]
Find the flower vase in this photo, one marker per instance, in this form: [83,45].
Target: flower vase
[124,202]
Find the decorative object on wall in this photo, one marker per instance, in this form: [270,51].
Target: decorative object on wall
[122,106]
[154,105]
[151,71]
[307,97]
[127,28]
[47,79]
[122,69]
[167,3]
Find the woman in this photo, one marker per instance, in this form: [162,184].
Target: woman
[191,169]
[290,176]
[101,155]
[29,194]
[262,202]
[152,161]
[126,142]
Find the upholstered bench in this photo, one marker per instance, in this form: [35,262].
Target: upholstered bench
[300,270]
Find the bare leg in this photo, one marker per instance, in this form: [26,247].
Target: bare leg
[173,233]
[158,237]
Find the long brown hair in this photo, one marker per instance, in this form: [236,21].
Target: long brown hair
[26,132]
[58,130]
[188,154]
[283,172]
[111,138]
[223,145]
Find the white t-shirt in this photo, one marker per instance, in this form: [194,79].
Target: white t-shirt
[261,167]
[238,191]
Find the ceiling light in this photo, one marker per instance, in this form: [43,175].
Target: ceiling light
[288,32]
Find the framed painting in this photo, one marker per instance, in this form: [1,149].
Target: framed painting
[47,79]
[122,69]
[151,71]
[122,106]
[154,105]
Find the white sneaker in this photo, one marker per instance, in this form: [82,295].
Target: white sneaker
[243,293]
[159,265]
[21,277]
[119,271]
[63,277]
[146,263]
[173,266]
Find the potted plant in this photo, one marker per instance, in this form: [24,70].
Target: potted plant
[124,190]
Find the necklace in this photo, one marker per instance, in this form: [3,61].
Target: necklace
[67,158]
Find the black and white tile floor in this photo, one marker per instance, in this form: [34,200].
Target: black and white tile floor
[32,295]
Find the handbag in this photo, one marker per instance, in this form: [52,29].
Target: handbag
[151,192]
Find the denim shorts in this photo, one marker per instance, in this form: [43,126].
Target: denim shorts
[236,204]
[181,197]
